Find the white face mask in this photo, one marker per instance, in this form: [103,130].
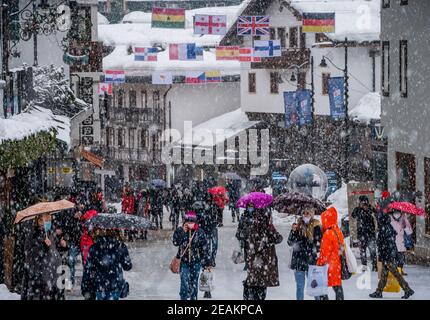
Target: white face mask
[306,219]
[397,215]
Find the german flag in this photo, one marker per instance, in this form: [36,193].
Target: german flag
[319,22]
[168,18]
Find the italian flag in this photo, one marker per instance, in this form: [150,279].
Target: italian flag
[168,18]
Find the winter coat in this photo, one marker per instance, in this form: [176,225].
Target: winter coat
[401,226]
[386,240]
[86,240]
[221,200]
[197,251]
[244,228]
[41,263]
[156,202]
[305,251]
[330,250]
[260,257]
[187,201]
[366,228]
[127,204]
[72,229]
[206,217]
[103,271]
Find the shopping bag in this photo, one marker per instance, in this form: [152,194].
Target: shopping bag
[238,256]
[392,283]
[351,261]
[317,282]
[206,281]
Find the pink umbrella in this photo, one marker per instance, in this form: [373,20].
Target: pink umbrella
[260,200]
[406,207]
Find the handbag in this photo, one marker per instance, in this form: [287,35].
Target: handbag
[409,241]
[317,283]
[345,274]
[175,264]
[125,290]
[206,281]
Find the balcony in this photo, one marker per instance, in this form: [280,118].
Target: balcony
[124,154]
[92,62]
[289,58]
[136,116]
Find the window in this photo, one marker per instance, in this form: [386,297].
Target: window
[131,138]
[325,77]
[109,137]
[427,193]
[132,98]
[252,83]
[302,39]
[120,98]
[120,137]
[156,99]
[386,3]
[282,37]
[274,86]
[404,68]
[272,33]
[144,99]
[144,138]
[294,37]
[386,68]
[403,2]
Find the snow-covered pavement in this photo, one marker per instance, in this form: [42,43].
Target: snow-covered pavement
[151,278]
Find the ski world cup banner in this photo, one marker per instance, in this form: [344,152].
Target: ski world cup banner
[304,106]
[253,26]
[336,93]
[168,18]
[291,114]
[209,24]
[115,76]
[319,22]
[105,88]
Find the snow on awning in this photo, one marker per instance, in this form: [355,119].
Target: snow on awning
[368,108]
[231,124]
[32,121]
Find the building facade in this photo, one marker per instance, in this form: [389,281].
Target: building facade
[405,105]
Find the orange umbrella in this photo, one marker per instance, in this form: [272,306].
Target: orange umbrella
[43,207]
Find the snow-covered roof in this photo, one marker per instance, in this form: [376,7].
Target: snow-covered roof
[368,108]
[120,59]
[32,121]
[101,19]
[232,123]
[358,20]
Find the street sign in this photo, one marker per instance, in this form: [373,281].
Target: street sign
[105,172]
[67,170]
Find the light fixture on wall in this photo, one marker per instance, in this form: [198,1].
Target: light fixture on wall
[323,63]
[293,77]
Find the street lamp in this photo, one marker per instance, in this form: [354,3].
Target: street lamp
[323,64]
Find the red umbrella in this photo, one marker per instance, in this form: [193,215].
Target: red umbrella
[217,190]
[406,207]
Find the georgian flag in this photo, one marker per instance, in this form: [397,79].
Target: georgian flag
[210,24]
[105,88]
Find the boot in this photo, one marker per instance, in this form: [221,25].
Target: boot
[408,293]
[402,272]
[207,295]
[376,295]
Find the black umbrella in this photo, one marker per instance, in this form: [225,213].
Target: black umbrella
[118,221]
[158,183]
[232,176]
[290,202]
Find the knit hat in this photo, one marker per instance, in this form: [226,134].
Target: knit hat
[385,194]
[363,199]
[190,216]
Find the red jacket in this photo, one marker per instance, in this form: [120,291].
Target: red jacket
[127,204]
[221,200]
[329,250]
[86,240]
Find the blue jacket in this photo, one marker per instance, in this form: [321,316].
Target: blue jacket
[103,269]
[197,252]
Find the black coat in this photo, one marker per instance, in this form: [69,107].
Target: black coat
[305,252]
[386,241]
[207,218]
[197,252]
[103,271]
[366,228]
[71,227]
[41,264]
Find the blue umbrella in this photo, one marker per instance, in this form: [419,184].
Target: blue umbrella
[158,183]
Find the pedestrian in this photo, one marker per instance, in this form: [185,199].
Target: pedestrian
[220,200]
[305,239]
[244,229]
[191,243]
[41,262]
[86,241]
[233,195]
[366,231]
[331,243]
[157,208]
[401,224]
[103,272]
[127,202]
[387,254]
[175,208]
[261,258]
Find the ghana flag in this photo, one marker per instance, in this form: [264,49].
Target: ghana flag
[319,22]
[168,18]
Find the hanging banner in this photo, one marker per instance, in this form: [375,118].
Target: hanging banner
[336,92]
[304,106]
[291,114]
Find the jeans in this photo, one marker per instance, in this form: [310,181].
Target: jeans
[300,277]
[371,244]
[212,245]
[113,295]
[74,252]
[189,280]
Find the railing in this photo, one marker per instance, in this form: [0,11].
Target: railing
[132,154]
[141,116]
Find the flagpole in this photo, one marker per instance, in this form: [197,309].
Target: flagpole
[346,113]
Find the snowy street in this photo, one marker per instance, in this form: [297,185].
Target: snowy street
[151,278]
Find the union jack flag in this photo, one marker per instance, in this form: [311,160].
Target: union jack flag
[253,26]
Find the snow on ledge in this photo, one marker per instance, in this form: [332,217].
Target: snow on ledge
[368,108]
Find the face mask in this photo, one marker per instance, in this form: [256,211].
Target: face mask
[47,225]
[250,210]
[306,219]
[191,225]
[397,215]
